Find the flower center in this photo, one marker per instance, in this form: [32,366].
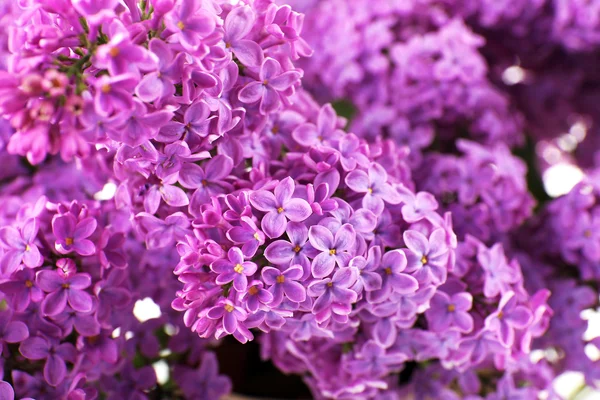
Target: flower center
[228,307]
[114,52]
[253,290]
[297,249]
[370,190]
[227,45]
[280,279]
[587,233]
[239,268]
[275,130]
[329,284]
[204,182]
[69,241]
[500,315]
[180,25]
[256,236]
[451,307]
[424,260]
[279,210]
[65,285]
[266,82]
[28,283]
[55,82]
[388,271]
[332,252]
[93,339]
[105,88]
[27,248]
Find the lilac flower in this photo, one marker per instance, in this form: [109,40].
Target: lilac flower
[333,250]
[231,314]
[478,347]
[204,382]
[139,126]
[295,252]
[284,283]
[333,295]
[256,295]
[189,24]
[39,348]
[375,187]
[120,55]
[22,289]
[280,207]
[11,331]
[238,24]
[234,269]
[450,311]
[113,94]
[352,152]
[271,82]
[21,247]
[196,120]
[419,207]
[498,273]
[373,360]
[62,289]
[161,233]
[427,258]
[509,317]
[84,323]
[159,84]
[310,135]
[393,279]
[248,235]
[367,280]
[71,235]
[207,181]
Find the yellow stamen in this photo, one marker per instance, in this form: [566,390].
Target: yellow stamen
[65,285]
[27,248]
[114,52]
[69,241]
[28,283]
[228,307]
[239,268]
[329,284]
[388,271]
[280,210]
[297,249]
[204,182]
[253,290]
[266,82]
[587,233]
[275,130]
[500,315]
[280,279]
[451,307]
[424,260]
[370,190]
[227,45]
[256,236]
[180,25]
[105,88]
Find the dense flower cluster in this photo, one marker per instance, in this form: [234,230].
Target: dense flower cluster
[164,152]
[413,73]
[484,189]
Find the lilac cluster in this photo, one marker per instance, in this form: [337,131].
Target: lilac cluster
[413,72]
[484,189]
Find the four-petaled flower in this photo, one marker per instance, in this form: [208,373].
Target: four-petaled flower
[62,288]
[450,311]
[284,283]
[333,250]
[21,247]
[234,269]
[280,207]
[510,316]
[71,235]
[334,295]
[374,184]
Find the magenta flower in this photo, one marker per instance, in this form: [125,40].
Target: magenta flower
[393,279]
[296,251]
[367,280]
[196,120]
[311,135]
[333,295]
[189,24]
[372,360]
[62,289]
[284,283]
[418,206]
[280,207]
[71,235]
[22,289]
[230,314]
[234,269]
[208,181]
[113,94]
[139,126]
[450,311]
[375,186]
[256,295]
[11,331]
[427,258]
[509,317]
[248,235]
[20,247]
[333,250]
[158,85]
[270,84]
[238,24]
[39,348]
[499,275]
[161,233]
